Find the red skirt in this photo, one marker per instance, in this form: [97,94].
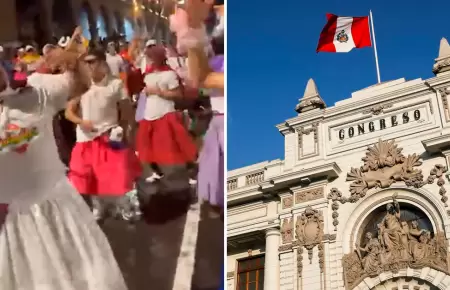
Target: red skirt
[96,168]
[165,141]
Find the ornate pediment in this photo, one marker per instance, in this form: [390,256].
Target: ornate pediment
[384,164]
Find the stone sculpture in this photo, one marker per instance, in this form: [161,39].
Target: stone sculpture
[397,245]
[384,164]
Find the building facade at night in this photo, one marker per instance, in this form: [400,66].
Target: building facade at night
[44,19]
[360,200]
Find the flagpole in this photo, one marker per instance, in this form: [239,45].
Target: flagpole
[375,47]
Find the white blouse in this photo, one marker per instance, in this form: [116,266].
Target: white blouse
[157,107]
[99,105]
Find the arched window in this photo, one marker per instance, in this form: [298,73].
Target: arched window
[119,23]
[87,21]
[103,22]
[129,30]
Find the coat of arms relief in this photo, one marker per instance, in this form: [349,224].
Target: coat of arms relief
[385,164]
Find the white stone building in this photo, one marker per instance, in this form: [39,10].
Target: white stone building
[359,201]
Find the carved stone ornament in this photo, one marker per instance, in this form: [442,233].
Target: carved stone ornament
[287,202]
[309,194]
[378,109]
[336,196]
[309,230]
[299,261]
[397,245]
[438,173]
[284,248]
[287,230]
[442,62]
[384,164]
[311,99]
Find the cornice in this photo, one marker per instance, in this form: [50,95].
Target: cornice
[246,207]
[328,169]
[436,144]
[248,190]
[357,105]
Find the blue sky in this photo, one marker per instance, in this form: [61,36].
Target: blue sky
[271,55]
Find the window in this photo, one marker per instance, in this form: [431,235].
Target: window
[251,274]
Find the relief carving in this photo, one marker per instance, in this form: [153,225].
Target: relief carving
[299,261]
[287,202]
[302,131]
[384,164]
[310,194]
[321,257]
[397,245]
[336,196]
[287,230]
[444,93]
[284,248]
[309,230]
[438,173]
[378,109]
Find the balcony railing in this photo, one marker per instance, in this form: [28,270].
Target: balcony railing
[254,178]
[232,184]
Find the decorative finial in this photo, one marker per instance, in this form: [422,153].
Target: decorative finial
[442,62]
[311,99]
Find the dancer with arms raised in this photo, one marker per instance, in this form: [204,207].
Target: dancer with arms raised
[49,240]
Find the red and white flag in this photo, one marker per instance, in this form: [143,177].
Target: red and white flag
[342,34]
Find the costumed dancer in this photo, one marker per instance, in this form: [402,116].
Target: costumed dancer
[162,139]
[191,35]
[102,164]
[49,240]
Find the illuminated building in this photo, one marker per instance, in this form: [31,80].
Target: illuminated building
[43,19]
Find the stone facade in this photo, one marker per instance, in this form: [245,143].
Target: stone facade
[360,199]
[148,16]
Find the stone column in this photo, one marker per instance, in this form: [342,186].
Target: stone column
[272,263]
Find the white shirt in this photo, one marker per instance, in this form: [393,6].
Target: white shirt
[100,106]
[156,107]
[32,170]
[115,63]
[178,64]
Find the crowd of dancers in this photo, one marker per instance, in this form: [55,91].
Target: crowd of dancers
[81,125]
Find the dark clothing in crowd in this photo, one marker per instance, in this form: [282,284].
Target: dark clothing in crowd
[65,136]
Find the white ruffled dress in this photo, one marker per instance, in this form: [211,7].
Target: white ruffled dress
[50,239]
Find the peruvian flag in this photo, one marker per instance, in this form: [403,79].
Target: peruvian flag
[342,34]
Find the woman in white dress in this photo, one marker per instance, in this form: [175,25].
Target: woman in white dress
[50,239]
